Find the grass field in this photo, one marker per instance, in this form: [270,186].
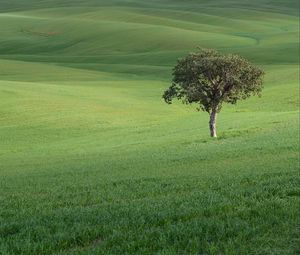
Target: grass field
[92,161]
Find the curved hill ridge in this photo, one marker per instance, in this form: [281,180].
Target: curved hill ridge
[116,31]
[279,6]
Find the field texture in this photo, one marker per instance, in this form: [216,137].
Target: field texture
[92,161]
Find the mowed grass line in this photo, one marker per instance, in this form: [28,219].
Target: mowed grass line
[92,161]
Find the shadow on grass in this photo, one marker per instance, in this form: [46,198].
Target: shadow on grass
[237,133]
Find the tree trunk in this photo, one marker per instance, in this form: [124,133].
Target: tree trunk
[212,123]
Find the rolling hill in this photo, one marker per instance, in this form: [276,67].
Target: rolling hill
[92,161]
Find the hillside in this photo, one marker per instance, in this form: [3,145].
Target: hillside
[92,161]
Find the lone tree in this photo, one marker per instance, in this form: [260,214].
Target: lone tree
[209,78]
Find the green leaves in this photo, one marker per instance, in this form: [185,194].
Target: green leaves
[209,78]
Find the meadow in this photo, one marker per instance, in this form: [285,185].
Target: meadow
[92,161]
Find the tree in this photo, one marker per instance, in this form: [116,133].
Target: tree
[209,79]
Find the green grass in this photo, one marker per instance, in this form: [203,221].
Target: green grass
[92,161]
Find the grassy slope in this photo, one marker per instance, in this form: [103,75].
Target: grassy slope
[94,162]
